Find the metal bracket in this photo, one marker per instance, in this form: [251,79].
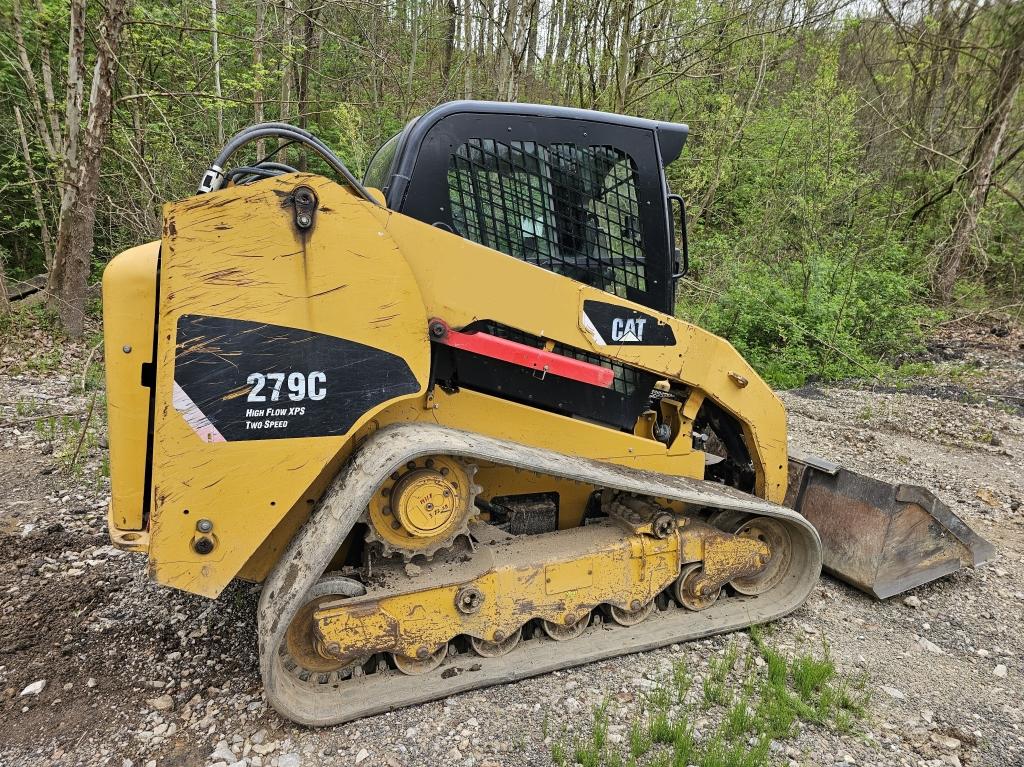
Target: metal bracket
[305,202]
[639,517]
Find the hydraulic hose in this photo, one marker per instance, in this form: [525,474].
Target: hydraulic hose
[214,176]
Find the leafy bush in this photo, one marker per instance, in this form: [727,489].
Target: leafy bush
[794,258]
[824,318]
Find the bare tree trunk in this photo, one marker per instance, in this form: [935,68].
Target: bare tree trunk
[302,87]
[410,96]
[37,197]
[70,274]
[470,59]
[506,55]
[984,154]
[76,86]
[451,25]
[287,14]
[257,64]
[5,304]
[216,73]
[51,140]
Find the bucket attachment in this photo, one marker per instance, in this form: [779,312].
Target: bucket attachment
[882,538]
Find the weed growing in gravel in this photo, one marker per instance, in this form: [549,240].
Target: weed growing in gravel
[750,704]
[558,753]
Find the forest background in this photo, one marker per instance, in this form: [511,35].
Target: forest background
[854,174]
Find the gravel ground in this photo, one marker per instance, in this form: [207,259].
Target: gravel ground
[135,674]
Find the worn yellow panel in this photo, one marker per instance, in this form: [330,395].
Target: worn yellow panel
[373,276]
[236,254]
[129,307]
[588,566]
[566,576]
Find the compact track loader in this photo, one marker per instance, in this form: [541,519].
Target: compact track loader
[447,418]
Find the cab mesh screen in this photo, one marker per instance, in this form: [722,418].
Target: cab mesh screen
[567,208]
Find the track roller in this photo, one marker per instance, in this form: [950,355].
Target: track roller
[631,617]
[416,666]
[685,592]
[496,648]
[563,632]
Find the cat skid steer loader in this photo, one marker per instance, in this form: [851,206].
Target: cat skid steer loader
[446,416]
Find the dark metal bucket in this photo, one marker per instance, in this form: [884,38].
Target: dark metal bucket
[882,538]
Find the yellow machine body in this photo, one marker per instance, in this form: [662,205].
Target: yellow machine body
[416,419]
[375,277]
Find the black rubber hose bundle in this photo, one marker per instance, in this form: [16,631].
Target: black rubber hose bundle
[215,175]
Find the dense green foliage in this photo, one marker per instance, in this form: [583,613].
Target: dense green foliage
[830,156]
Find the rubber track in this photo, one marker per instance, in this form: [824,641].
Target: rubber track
[316,543]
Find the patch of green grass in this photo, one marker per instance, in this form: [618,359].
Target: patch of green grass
[775,714]
[46,428]
[739,720]
[718,752]
[661,728]
[714,688]
[761,702]
[911,370]
[599,732]
[659,697]
[613,759]
[45,361]
[586,754]
[963,372]
[681,681]
[639,739]
[558,753]
[811,674]
[715,693]
[684,747]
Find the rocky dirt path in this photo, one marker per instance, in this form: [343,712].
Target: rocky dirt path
[134,674]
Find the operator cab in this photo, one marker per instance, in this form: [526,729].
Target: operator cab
[578,192]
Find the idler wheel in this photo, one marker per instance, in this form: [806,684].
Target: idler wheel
[300,649]
[776,536]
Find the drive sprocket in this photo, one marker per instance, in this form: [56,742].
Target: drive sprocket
[423,507]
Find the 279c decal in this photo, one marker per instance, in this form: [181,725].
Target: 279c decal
[238,380]
[300,386]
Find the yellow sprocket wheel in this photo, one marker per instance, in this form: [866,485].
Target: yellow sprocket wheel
[422,508]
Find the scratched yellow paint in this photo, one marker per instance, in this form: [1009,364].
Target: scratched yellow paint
[375,277]
[237,254]
[557,583]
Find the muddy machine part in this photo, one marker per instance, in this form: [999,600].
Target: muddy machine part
[882,538]
[387,615]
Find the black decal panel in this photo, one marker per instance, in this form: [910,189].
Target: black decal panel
[239,380]
[614,325]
